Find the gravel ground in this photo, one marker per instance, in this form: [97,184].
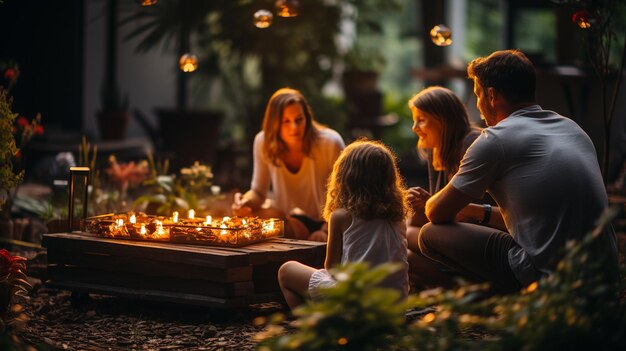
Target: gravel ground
[48,320]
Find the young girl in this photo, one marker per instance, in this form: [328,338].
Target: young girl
[295,155]
[365,210]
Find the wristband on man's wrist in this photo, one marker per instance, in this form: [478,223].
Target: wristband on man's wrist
[487,215]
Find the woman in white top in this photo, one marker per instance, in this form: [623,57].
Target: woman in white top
[294,155]
[365,209]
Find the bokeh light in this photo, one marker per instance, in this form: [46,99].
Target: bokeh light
[188,63]
[287,8]
[147,2]
[441,35]
[263,18]
[582,18]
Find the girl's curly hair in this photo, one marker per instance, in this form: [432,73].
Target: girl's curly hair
[366,182]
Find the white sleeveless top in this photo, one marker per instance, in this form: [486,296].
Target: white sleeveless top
[376,242]
[305,189]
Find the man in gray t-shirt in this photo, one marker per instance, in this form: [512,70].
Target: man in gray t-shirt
[541,169]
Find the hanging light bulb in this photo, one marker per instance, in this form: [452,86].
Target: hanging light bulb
[188,63]
[263,18]
[583,19]
[287,8]
[147,2]
[441,35]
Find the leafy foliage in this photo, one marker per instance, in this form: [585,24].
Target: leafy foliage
[191,189]
[356,314]
[577,307]
[9,178]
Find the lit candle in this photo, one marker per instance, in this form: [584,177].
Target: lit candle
[159,228]
[175,217]
[208,220]
[119,222]
[192,214]
[224,231]
[142,231]
[133,219]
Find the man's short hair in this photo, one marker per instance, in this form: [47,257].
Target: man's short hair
[509,72]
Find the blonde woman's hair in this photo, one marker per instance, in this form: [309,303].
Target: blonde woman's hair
[366,182]
[445,106]
[274,146]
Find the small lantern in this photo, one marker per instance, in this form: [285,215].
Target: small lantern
[262,19]
[287,8]
[441,35]
[188,63]
[79,191]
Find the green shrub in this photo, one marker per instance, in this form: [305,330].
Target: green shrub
[578,307]
[356,314]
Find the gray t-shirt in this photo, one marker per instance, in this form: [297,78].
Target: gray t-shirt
[542,170]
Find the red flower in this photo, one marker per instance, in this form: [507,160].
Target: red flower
[9,74]
[38,130]
[22,121]
[10,264]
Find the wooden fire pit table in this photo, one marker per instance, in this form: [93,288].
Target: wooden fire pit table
[221,277]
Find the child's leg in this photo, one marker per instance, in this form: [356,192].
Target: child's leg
[293,278]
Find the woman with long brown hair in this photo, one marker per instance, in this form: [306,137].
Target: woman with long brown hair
[445,133]
[295,155]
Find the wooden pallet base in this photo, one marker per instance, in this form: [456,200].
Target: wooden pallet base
[201,275]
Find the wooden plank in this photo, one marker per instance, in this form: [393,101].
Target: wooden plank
[152,295]
[148,266]
[281,252]
[266,278]
[198,255]
[135,281]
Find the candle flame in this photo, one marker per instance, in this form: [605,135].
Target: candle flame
[142,231]
[192,214]
[208,220]
[174,217]
[133,219]
[223,231]
[119,222]
[159,228]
